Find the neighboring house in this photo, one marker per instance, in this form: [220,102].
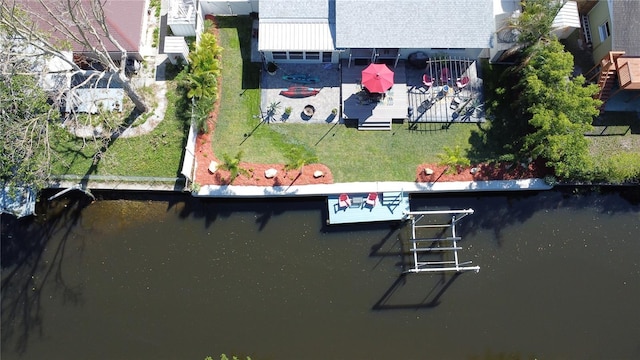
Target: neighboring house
[566,21]
[611,28]
[126,21]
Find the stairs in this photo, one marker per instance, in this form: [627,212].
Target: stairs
[606,82]
[608,76]
[381,119]
[373,123]
[586,29]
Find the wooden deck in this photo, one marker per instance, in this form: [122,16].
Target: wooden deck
[444,102]
[373,115]
[390,206]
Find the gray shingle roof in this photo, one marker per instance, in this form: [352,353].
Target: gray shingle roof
[294,9]
[414,23]
[626,26]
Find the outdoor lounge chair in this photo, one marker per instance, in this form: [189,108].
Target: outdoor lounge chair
[427,80]
[371,199]
[344,201]
[462,82]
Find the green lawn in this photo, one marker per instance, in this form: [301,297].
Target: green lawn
[351,155]
[157,154]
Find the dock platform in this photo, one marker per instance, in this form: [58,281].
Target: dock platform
[388,206]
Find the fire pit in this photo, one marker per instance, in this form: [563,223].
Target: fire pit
[309,110]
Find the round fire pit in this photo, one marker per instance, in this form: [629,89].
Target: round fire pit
[309,110]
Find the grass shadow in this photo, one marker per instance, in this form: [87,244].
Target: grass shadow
[251,72]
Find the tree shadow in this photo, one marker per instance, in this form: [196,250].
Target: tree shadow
[26,272]
[496,211]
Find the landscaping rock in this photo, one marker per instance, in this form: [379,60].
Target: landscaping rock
[428,171]
[474,170]
[213,166]
[270,173]
[317,174]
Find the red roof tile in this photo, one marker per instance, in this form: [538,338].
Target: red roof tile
[124,21]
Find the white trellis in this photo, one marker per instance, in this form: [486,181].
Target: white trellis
[443,248]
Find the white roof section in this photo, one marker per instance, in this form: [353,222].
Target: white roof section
[567,16]
[414,23]
[175,45]
[300,35]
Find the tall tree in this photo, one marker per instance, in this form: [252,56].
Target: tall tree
[531,26]
[560,110]
[25,114]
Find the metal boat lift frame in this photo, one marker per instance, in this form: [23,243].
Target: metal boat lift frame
[428,245]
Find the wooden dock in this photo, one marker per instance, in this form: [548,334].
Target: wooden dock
[389,206]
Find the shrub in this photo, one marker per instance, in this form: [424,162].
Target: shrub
[623,167]
[453,159]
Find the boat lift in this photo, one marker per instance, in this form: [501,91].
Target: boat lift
[445,249]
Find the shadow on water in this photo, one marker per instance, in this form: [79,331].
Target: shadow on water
[24,243]
[395,299]
[211,209]
[496,211]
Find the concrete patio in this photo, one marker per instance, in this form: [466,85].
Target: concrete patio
[324,102]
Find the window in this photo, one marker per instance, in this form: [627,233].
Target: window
[604,31]
[326,56]
[279,55]
[295,55]
[313,56]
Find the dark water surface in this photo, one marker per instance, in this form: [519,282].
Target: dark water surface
[180,278]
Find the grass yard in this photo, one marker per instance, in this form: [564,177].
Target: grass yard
[615,133]
[157,154]
[351,155]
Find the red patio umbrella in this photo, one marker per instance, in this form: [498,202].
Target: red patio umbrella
[377,78]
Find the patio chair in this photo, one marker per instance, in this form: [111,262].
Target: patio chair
[344,201]
[427,80]
[462,82]
[371,199]
[444,75]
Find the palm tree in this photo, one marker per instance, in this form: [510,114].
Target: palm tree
[298,157]
[232,165]
[454,159]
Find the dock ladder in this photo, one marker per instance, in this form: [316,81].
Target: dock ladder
[437,253]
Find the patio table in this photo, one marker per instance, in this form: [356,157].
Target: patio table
[357,201]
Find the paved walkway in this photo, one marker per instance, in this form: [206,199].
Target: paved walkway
[365,187]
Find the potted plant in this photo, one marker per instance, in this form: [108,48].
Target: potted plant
[286,113]
[272,68]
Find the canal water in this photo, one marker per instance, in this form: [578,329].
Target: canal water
[180,278]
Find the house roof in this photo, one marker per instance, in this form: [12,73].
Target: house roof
[567,16]
[625,26]
[124,21]
[299,35]
[296,25]
[294,9]
[414,23]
